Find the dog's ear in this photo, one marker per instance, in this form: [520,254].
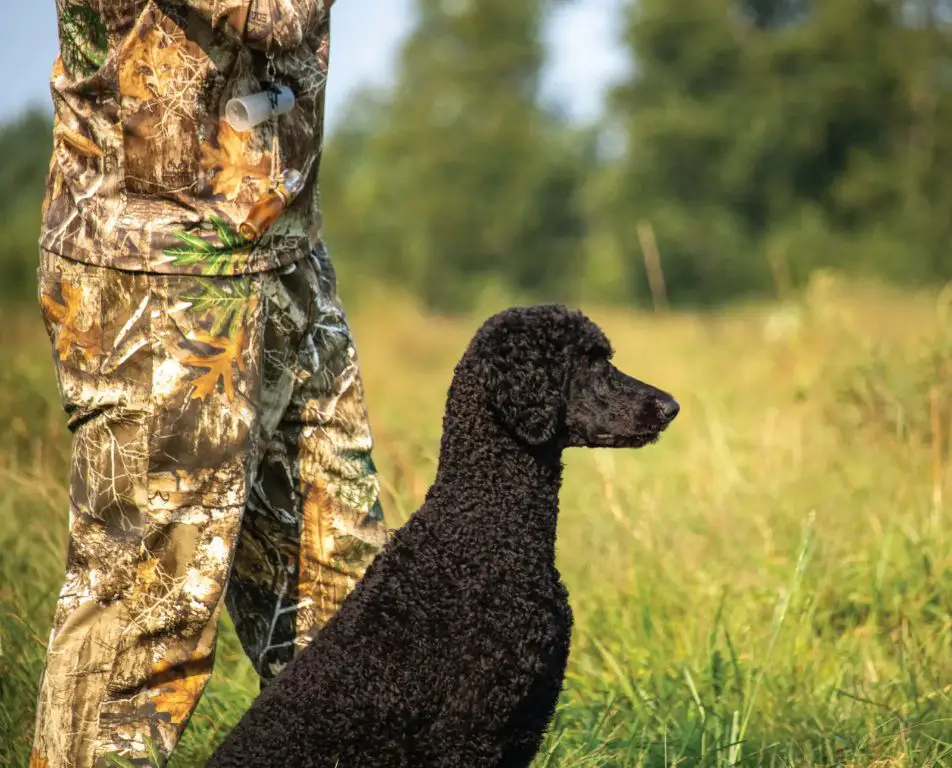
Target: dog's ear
[525,380]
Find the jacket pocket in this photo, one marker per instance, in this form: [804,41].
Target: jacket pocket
[70,298]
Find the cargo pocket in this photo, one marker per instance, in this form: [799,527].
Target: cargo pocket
[70,298]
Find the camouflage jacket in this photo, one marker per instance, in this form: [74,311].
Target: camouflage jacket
[146,174]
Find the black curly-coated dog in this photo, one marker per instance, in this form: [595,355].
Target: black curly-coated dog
[452,649]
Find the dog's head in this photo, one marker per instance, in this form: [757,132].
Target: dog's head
[547,375]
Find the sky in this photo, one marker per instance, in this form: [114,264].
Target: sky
[365,38]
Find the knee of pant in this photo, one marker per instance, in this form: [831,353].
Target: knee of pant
[172,597]
[170,582]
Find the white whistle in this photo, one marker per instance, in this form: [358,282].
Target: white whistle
[248,111]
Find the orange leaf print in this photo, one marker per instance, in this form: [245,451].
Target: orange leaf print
[217,365]
[178,690]
[318,579]
[228,162]
[149,66]
[314,541]
[66,317]
[59,69]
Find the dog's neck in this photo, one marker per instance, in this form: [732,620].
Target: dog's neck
[512,487]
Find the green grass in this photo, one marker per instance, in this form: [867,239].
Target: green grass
[771,584]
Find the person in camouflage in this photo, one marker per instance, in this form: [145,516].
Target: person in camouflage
[221,446]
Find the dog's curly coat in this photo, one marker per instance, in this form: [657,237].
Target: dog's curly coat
[452,649]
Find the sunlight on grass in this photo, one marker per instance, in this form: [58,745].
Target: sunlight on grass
[771,584]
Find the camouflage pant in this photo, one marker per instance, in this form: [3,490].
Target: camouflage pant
[220,438]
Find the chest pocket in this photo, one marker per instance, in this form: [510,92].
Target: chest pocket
[161,75]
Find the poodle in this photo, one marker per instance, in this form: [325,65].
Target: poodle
[452,649]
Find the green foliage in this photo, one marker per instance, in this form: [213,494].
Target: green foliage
[761,140]
[751,133]
[25,146]
[760,137]
[893,389]
[466,182]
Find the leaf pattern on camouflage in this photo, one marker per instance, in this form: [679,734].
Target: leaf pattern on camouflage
[120,761]
[220,364]
[177,690]
[237,403]
[150,155]
[83,41]
[331,557]
[227,162]
[149,69]
[67,315]
[212,258]
[223,304]
[80,143]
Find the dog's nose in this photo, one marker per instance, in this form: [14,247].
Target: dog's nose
[670,409]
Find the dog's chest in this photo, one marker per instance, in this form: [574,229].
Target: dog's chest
[534,620]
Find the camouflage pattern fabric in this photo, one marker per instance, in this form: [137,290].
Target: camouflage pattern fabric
[146,175]
[220,439]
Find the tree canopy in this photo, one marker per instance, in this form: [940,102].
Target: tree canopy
[750,136]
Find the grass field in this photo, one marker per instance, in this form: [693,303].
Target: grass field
[771,584]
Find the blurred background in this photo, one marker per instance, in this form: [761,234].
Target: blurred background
[752,198]
[568,150]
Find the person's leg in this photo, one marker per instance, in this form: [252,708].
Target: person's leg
[160,377]
[314,521]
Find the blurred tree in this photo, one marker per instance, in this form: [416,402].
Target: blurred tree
[767,14]
[759,138]
[775,129]
[467,181]
[25,146]
[685,167]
